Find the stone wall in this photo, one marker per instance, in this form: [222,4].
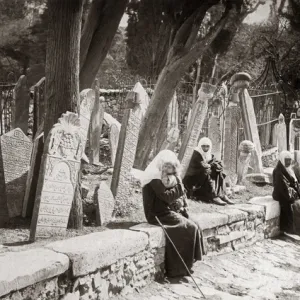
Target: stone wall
[99,265]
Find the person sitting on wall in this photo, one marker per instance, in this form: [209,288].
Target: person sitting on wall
[158,200]
[286,192]
[204,179]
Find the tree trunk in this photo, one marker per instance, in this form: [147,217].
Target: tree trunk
[164,91]
[197,81]
[98,33]
[62,59]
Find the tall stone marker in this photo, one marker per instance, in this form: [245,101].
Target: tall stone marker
[294,141]
[215,135]
[63,151]
[20,112]
[15,153]
[195,124]
[114,134]
[95,130]
[127,144]
[280,132]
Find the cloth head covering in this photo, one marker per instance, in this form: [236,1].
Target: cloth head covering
[154,169]
[282,156]
[207,156]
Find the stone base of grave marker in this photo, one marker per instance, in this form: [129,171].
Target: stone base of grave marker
[105,204]
[15,153]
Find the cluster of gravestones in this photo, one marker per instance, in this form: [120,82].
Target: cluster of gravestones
[38,178]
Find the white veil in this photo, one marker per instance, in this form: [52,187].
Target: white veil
[282,156]
[207,156]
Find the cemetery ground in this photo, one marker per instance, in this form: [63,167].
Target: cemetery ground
[266,270]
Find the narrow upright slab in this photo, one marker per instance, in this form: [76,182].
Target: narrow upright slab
[21,105]
[195,124]
[63,151]
[15,160]
[114,134]
[215,135]
[95,130]
[105,204]
[127,145]
[294,141]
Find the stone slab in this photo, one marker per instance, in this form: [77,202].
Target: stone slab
[238,189]
[234,235]
[269,172]
[94,251]
[258,178]
[272,208]
[25,268]
[209,220]
[234,215]
[252,209]
[156,235]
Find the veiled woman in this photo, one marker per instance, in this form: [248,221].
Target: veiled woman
[204,178]
[157,199]
[286,192]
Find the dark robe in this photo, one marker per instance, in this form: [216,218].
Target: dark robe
[286,192]
[184,233]
[204,183]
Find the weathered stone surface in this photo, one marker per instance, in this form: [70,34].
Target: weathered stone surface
[105,204]
[252,210]
[15,154]
[156,235]
[215,135]
[269,172]
[98,250]
[234,235]
[238,188]
[72,296]
[24,268]
[113,141]
[272,208]
[234,215]
[209,220]
[258,178]
[63,151]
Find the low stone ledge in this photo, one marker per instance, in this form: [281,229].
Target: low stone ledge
[272,208]
[156,235]
[253,210]
[209,220]
[94,251]
[234,215]
[25,268]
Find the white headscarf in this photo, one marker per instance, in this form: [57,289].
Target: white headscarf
[154,170]
[207,156]
[282,156]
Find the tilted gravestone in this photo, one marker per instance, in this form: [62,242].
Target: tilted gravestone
[114,133]
[63,151]
[127,145]
[105,204]
[20,113]
[15,154]
[95,130]
[195,124]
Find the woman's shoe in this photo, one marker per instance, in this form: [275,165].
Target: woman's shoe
[227,200]
[218,201]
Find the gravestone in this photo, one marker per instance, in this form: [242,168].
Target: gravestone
[20,112]
[198,115]
[15,153]
[114,133]
[95,130]
[127,145]
[33,174]
[105,204]
[245,150]
[215,135]
[87,100]
[294,140]
[281,139]
[63,151]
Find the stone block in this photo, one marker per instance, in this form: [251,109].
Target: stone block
[25,268]
[209,232]
[209,220]
[272,208]
[269,173]
[156,235]
[234,215]
[252,210]
[238,189]
[101,249]
[71,296]
[234,235]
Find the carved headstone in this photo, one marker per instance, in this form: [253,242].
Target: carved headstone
[195,124]
[245,150]
[20,112]
[63,151]
[127,145]
[215,135]
[281,138]
[33,174]
[105,204]
[14,165]
[95,130]
[113,141]
[294,142]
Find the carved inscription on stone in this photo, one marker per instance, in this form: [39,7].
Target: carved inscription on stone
[15,160]
[113,141]
[214,133]
[58,178]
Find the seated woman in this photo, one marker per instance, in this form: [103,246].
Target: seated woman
[157,200]
[286,192]
[204,178]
